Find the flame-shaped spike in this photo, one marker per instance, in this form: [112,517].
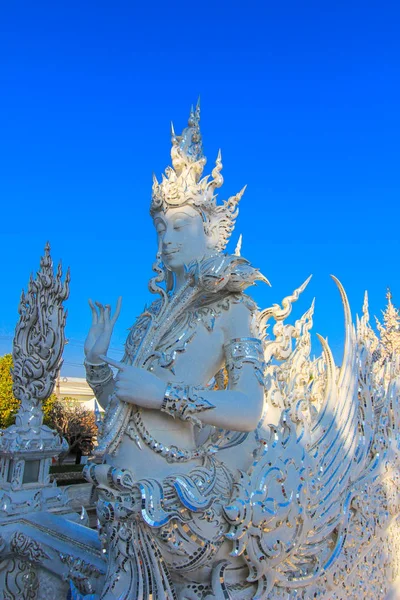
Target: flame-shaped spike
[173,136]
[303,285]
[233,201]
[194,117]
[240,194]
[281,313]
[365,304]
[330,364]
[264,280]
[217,179]
[197,111]
[238,246]
[155,180]
[348,323]
[344,299]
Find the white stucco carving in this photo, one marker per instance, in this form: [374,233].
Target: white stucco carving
[27,448]
[230,463]
[40,553]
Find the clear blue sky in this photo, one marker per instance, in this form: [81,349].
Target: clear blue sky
[302,98]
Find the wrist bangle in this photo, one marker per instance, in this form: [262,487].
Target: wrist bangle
[184,402]
[98,376]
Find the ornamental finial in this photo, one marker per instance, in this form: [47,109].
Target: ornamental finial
[188,147]
[39,338]
[27,448]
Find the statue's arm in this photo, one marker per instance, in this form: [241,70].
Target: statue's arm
[240,406]
[237,408]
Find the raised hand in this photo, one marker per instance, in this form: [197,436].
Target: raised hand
[99,336]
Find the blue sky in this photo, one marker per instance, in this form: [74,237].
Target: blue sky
[302,98]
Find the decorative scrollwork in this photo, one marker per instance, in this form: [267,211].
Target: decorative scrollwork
[39,337]
[27,547]
[80,572]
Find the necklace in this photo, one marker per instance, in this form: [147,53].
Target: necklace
[170,453]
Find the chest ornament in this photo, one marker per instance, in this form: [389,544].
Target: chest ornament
[155,335]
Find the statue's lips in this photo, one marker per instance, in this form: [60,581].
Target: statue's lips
[171,252]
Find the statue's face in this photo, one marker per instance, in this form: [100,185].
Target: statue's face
[182,237]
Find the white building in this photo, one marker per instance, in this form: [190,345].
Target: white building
[77,388]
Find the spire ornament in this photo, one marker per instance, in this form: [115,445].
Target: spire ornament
[183,183]
[27,448]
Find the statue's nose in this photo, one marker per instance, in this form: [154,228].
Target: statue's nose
[166,241]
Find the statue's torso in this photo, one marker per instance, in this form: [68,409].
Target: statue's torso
[196,343]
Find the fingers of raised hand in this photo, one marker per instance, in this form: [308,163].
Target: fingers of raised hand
[103,314]
[94,312]
[117,310]
[101,311]
[107,313]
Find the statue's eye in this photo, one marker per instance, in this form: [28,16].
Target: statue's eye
[179,223]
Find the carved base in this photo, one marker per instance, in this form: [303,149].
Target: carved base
[41,553]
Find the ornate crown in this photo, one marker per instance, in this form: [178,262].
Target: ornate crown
[182,183]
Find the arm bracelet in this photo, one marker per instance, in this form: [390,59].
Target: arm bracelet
[98,376]
[184,401]
[241,351]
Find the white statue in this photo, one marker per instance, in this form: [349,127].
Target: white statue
[198,496]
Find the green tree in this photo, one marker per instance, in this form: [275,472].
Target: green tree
[8,403]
